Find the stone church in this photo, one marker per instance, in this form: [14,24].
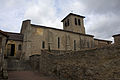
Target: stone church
[34,38]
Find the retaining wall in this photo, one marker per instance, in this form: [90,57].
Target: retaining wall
[94,64]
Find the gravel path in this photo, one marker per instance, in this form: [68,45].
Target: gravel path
[27,75]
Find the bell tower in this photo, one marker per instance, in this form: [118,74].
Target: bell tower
[73,22]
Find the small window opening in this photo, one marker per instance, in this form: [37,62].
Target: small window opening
[19,47]
[65,24]
[43,44]
[75,21]
[79,23]
[68,22]
[58,42]
[74,44]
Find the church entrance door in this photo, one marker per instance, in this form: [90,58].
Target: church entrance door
[12,50]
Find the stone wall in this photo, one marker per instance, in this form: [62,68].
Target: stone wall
[35,35]
[100,43]
[17,52]
[34,62]
[14,64]
[94,64]
[38,37]
[68,40]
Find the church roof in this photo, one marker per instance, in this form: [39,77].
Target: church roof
[12,36]
[61,30]
[102,40]
[74,15]
[15,36]
[116,35]
[3,33]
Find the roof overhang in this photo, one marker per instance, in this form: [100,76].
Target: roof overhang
[116,35]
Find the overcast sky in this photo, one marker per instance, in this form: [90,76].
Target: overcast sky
[102,16]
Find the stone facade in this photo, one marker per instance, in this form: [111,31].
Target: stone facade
[17,49]
[34,38]
[3,41]
[11,44]
[14,44]
[49,36]
[68,53]
[100,43]
[74,23]
[72,37]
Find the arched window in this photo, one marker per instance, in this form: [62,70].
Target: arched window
[68,22]
[19,47]
[58,42]
[75,21]
[65,24]
[79,23]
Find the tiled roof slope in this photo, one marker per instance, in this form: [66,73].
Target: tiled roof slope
[15,36]
[3,33]
[12,36]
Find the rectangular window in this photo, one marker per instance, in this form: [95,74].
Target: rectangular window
[65,24]
[43,44]
[58,42]
[74,44]
[68,22]
[12,49]
[19,47]
[79,23]
[75,21]
[88,45]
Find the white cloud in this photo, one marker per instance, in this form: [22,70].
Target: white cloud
[102,17]
[11,14]
[43,13]
[103,26]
